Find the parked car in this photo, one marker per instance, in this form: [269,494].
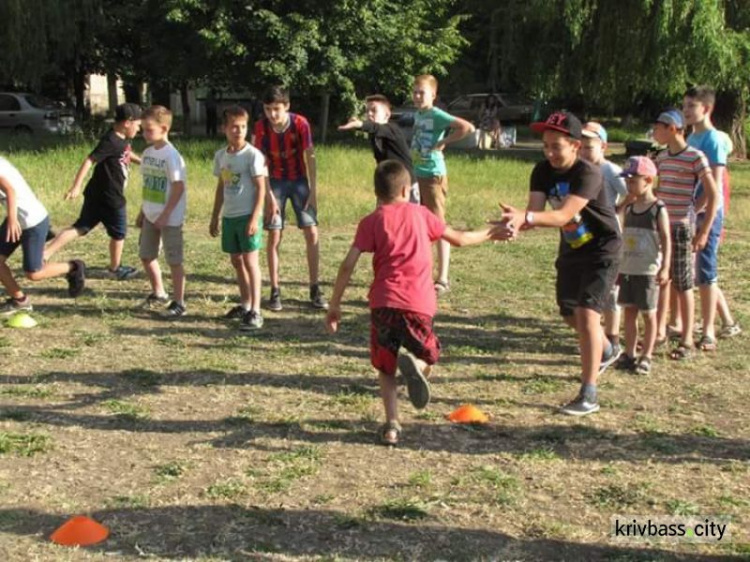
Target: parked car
[29,113]
[510,108]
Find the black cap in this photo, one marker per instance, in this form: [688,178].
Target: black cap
[562,122]
[128,112]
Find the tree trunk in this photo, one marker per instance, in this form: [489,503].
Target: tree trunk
[187,124]
[111,94]
[729,116]
[325,104]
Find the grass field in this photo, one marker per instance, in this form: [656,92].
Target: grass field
[191,441]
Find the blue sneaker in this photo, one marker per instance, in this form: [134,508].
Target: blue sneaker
[580,406]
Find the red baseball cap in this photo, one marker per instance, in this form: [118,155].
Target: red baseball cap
[562,122]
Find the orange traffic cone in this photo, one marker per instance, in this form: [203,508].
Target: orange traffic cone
[468,414]
[79,531]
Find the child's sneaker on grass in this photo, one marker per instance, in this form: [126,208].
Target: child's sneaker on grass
[153,301]
[730,331]
[236,313]
[625,363]
[416,384]
[607,360]
[11,306]
[274,303]
[580,406]
[251,321]
[76,278]
[175,310]
[123,272]
[317,299]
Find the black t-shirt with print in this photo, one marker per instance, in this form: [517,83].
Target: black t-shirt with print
[112,159]
[389,143]
[593,234]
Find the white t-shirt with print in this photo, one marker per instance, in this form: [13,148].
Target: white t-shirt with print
[236,171]
[30,211]
[161,168]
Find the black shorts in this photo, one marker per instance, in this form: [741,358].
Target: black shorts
[115,220]
[391,329]
[639,291]
[584,284]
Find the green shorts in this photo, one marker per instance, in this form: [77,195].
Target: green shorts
[234,238]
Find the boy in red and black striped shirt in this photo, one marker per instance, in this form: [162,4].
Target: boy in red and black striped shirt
[286,141]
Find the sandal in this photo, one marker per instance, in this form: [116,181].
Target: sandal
[643,366]
[730,331]
[681,353]
[442,287]
[706,343]
[389,433]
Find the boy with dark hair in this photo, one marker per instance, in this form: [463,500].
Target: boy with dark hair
[240,192]
[26,225]
[286,141]
[698,105]
[681,167]
[386,138]
[402,297]
[434,129]
[104,199]
[589,243]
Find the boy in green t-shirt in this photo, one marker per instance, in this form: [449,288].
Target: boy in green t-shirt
[430,127]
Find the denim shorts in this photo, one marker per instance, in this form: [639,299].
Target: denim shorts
[298,191]
[32,245]
[706,260]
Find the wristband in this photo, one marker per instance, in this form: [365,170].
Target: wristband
[529,218]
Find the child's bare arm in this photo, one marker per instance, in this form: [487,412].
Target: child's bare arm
[312,178]
[333,317]
[466,238]
[666,246]
[213,227]
[260,196]
[709,199]
[178,188]
[13,228]
[75,189]
[135,158]
[459,129]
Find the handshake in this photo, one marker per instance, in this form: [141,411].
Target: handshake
[512,222]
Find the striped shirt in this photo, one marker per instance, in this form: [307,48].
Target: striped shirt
[678,178]
[285,151]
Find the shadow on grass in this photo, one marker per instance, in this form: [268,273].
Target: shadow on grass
[234,532]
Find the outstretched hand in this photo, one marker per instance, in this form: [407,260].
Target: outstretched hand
[353,123]
[333,317]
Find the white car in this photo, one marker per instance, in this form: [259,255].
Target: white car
[22,113]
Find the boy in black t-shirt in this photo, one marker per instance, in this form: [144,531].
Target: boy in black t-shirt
[104,198]
[387,140]
[589,243]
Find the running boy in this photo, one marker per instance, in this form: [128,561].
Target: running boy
[430,127]
[240,191]
[26,225]
[681,167]
[386,138]
[286,141]
[645,261]
[163,210]
[402,297]
[698,105]
[589,243]
[104,198]
[593,149]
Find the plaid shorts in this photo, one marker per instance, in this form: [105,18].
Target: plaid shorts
[390,329]
[681,270]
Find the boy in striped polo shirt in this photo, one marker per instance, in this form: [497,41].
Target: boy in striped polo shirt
[681,167]
[285,139]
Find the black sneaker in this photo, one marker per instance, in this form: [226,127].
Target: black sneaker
[625,363]
[274,303]
[76,278]
[251,322]
[175,310]
[580,406]
[317,299]
[11,306]
[236,313]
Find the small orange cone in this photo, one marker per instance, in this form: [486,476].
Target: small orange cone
[468,414]
[79,531]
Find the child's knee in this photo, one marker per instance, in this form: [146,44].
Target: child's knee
[33,275]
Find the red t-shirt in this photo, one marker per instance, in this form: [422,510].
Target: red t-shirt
[400,235]
[284,152]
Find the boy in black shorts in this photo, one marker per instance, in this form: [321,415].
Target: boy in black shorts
[589,243]
[103,198]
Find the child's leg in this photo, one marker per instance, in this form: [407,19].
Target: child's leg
[173,253]
[590,338]
[312,246]
[115,253]
[153,272]
[686,300]
[676,319]
[272,253]
[9,281]
[49,270]
[709,300]
[649,336]
[150,240]
[723,309]
[63,237]
[662,311]
[243,280]
[178,282]
[631,330]
[251,265]
[389,395]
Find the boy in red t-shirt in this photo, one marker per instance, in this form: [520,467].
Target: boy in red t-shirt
[402,296]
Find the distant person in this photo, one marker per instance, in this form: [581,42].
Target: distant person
[387,139]
[26,225]
[163,211]
[645,262]
[489,122]
[434,129]
[285,139]
[212,117]
[104,197]
[402,297]
[240,194]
